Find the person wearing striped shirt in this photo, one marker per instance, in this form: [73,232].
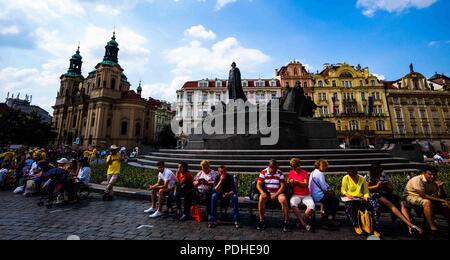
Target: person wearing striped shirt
[271,185]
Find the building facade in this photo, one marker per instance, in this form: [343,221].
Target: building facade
[355,101]
[25,106]
[420,110]
[196,98]
[101,109]
[295,72]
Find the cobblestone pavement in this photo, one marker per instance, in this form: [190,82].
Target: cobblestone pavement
[123,219]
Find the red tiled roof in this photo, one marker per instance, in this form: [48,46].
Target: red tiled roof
[131,95]
[389,84]
[212,83]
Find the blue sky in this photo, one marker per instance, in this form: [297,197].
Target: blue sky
[167,42]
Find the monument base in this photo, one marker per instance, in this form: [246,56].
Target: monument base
[294,133]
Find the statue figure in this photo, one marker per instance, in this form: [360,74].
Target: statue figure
[295,101]
[235,90]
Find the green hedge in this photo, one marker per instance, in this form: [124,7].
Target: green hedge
[133,177]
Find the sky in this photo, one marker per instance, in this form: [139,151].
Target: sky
[164,43]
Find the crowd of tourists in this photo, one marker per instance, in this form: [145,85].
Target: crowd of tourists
[34,170]
[303,190]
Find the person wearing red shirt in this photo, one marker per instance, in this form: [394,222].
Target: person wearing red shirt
[299,181]
[184,189]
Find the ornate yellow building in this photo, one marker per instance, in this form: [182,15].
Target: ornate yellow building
[295,72]
[420,110]
[101,110]
[355,101]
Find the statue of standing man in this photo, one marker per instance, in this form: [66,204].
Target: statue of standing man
[235,90]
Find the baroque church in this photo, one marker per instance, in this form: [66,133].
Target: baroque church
[101,109]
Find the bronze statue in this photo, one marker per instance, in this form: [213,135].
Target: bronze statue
[295,101]
[235,90]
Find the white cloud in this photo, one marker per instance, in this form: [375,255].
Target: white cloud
[437,44]
[222,3]
[7,30]
[200,32]
[379,76]
[107,10]
[372,6]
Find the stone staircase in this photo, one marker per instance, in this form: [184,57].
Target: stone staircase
[253,161]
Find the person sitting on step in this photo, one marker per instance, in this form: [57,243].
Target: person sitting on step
[165,186]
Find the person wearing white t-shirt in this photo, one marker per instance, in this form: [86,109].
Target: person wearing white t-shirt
[322,192]
[166,184]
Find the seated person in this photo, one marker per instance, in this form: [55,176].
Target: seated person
[204,182]
[184,189]
[355,190]
[381,194]
[271,185]
[224,188]
[165,186]
[427,192]
[298,179]
[84,174]
[322,192]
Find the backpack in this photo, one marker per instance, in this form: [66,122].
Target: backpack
[365,221]
[198,214]
[254,192]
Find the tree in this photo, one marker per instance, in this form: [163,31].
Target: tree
[22,128]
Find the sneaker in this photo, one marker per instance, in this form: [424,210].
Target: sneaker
[358,231]
[184,218]
[261,226]
[157,214]
[286,227]
[150,210]
[237,225]
[309,228]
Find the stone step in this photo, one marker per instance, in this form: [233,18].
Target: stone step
[232,162]
[275,152]
[268,156]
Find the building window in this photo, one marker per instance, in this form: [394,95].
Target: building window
[245,84]
[426,129]
[324,111]
[137,131]
[401,130]
[372,82]
[99,81]
[336,97]
[361,83]
[435,114]
[363,96]
[113,83]
[414,129]
[260,84]
[438,130]
[93,122]
[381,125]
[423,114]
[354,125]
[377,95]
[189,97]
[108,122]
[334,83]
[339,125]
[398,114]
[203,84]
[274,95]
[205,97]
[395,100]
[320,84]
[412,115]
[124,128]
[273,83]
[305,85]
[218,84]
[322,96]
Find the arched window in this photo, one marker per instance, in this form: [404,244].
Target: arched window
[346,74]
[320,84]
[137,131]
[124,128]
[113,83]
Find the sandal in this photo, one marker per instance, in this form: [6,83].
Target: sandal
[416,228]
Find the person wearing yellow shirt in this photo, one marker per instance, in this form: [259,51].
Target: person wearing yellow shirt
[114,161]
[355,192]
[93,154]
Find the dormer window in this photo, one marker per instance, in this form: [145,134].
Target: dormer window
[273,83]
[218,84]
[203,84]
[245,83]
[260,84]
